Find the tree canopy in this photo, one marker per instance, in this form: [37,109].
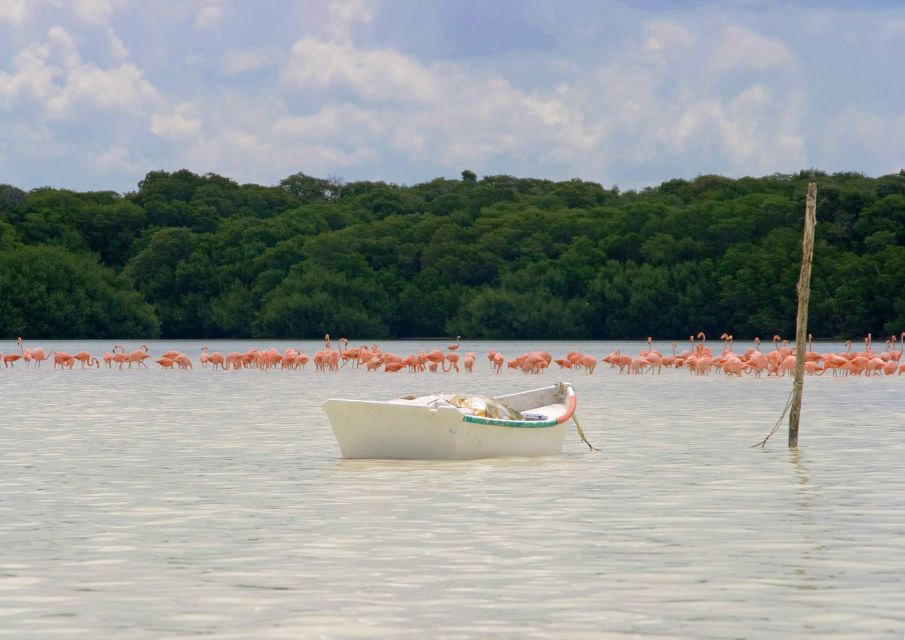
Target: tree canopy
[191,256]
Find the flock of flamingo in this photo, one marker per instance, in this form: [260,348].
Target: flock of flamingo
[699,359]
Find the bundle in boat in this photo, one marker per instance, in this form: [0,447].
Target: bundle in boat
[483,406]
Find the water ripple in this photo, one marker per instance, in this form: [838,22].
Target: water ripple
[149,504]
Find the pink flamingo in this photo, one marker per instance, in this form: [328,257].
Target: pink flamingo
[638,364]
[62,359]
[497,363]
[36,355]
[86,359]
[874,366]
[589,363]
[813,368]
[655,359]
[119,357]
[893,354]
[453,360]
[668,361]
[138,357]
[787,365]
[9,360]
[758,362]
[26,353]
[233,360]
[776,356]
[732,366]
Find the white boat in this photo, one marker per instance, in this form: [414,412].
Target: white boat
[453,426]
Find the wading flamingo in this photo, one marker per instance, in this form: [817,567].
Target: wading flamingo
[37,354]
[62,359]
[26,353]
[86,359]
[9,360]
[453,359]
[589,363]
[138,357]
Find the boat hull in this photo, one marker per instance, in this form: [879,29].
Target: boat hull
[367,429]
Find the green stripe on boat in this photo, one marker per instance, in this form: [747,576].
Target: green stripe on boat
[499,422]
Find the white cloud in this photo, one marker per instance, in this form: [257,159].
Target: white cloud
[444,114]
[754,130]
[668,99]
[63,47]
[12,11]
[210,15]
[93,11]
[113,160]
[32,78]
[374,74]
[121,89]
[854,131]
[178,123]
[257,139]
[758,136]
[32,141]
[345,13]
[52,76]
[667,37]
[236,61]
[338,122]
[117,49]
[741,47]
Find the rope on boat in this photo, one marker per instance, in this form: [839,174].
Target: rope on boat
[581,435]
[763,443]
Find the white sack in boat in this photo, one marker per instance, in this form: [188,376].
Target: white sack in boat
[483,406]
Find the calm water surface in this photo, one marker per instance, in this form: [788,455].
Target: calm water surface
[166,504]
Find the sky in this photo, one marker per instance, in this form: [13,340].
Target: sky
[94,94]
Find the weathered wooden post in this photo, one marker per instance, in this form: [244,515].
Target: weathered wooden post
[801,327]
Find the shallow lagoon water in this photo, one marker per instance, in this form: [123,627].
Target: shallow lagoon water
[167,504]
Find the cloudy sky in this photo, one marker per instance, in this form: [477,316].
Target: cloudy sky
[96,93]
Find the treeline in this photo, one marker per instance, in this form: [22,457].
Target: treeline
[190,256]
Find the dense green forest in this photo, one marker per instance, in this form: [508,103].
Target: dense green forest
[191,256]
